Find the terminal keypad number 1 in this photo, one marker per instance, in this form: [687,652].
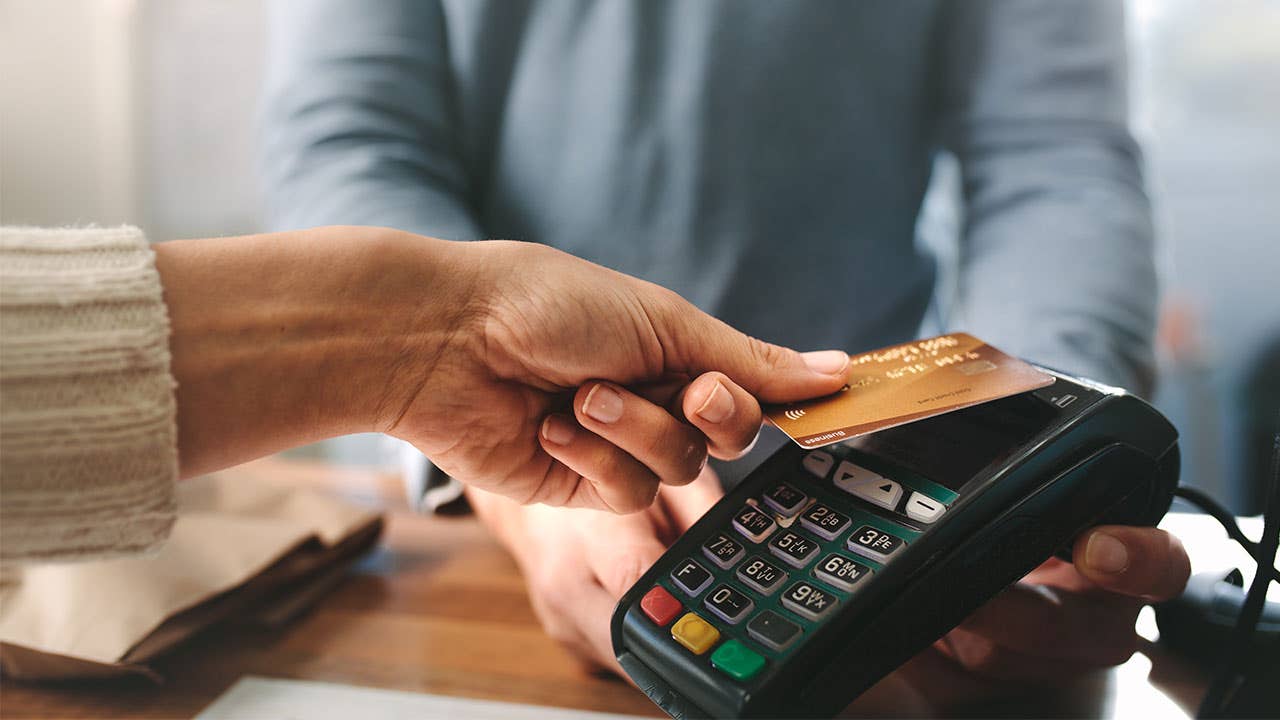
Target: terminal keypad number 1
[788,558]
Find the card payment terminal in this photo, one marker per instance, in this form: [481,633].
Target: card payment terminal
[824,570]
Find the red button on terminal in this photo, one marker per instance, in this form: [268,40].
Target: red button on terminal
[660,605]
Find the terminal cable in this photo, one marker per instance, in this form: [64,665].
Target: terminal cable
[1233,663]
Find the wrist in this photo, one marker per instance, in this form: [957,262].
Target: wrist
[288,338]
[403,304]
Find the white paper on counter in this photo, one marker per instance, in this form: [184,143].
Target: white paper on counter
[259,697]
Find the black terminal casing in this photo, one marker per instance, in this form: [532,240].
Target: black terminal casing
[1104,457]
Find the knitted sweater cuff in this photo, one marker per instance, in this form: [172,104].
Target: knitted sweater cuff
[88,443]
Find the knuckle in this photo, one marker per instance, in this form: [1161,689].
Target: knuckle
[767,354]
[608,467]
[658,444]
[695,460]
[560,632]
[547,583]
[692,449]
[642,495]
[625,572]
[549,595]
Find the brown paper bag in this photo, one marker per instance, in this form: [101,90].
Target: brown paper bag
[239,551]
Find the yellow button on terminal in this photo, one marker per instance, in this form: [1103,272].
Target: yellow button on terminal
[694,633]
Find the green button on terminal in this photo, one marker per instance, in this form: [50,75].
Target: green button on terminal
[737,661]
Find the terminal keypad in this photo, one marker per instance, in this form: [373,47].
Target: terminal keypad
[789,558]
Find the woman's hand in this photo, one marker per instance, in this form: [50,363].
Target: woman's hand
[516,368]
[565,383]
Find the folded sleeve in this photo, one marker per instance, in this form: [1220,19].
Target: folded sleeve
[359,119]
[1056,260]
[88,444]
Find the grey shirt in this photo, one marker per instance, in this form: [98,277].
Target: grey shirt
[766,160]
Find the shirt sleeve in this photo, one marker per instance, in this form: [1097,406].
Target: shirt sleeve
[88,443]
[1056,256]
[359,123]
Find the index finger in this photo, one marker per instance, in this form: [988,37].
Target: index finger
[1141,562]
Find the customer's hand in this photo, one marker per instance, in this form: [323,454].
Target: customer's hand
[577,563]
[566,383]
[514,367]
[1063,618]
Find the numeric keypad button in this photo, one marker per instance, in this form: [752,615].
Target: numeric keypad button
[761,575]
[754,523]
[795,550]
[728,603]
[822,520]
[875,543]
[840,572]
[785,499]
[808,601]
[691,577]
[772,630]
[723,550]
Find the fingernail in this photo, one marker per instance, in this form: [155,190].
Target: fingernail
[826,362]
[603,404]
[1106,554]
[557,430]
[718,406]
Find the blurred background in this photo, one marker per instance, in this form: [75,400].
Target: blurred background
[143,111]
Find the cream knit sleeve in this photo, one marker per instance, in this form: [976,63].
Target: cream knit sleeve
[88,446]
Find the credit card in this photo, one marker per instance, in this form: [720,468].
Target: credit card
[903,383]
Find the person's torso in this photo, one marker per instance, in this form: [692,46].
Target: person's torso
[766,160]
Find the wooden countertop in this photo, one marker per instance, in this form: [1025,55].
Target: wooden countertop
[439,607]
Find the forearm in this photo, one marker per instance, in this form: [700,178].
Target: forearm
[288,338]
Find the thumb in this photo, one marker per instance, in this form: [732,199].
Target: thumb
[1137,561]
[770,372]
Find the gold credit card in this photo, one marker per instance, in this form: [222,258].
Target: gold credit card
[907,382]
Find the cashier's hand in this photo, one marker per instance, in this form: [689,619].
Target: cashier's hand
[1060,621]
[570,384]
[1063,618]
[577,563]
